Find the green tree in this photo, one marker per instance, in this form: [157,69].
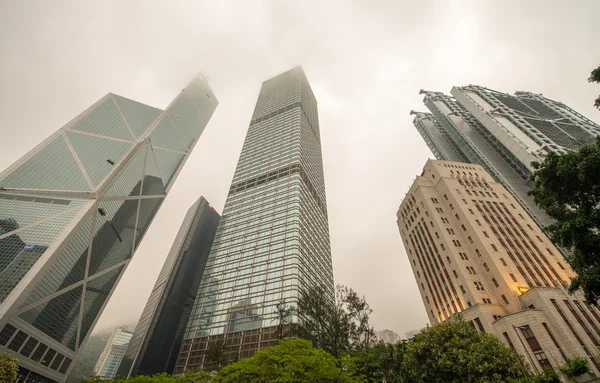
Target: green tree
[575,367]
[9,367]
[567,187]
[454,351]
[291,361]
[215,355]
[595,77]
[338,325]
[383,362]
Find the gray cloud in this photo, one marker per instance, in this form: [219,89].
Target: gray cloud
[366,62]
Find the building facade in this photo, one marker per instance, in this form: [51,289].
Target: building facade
[504,133]
[72,212]
[110,359]
[273,237]
[387,336]
[475,251]
[159,332]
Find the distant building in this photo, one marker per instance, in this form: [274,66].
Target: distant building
[387,336]
[273,237]
[113,353]
[411,334]
[475,251]
[74,210]
[159,332]
[503,133]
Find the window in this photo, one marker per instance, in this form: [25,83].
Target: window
[442,246]
[457,217]
[503,262]
[512,277]
[504,299]
[418,274]
[477,222]
[471,211]
[437,235]
[478,252]
[434,200]
[462,289]
[479,325]
[470,239]
[455,273]
[494,247]
[445,197]
[495,282]
[510,343]
[463,227]
[485,234]
[538,238]
[448,259]
[427,298]
[451,207]
[486,267]
[469,270]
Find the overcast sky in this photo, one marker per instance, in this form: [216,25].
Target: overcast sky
[365,61]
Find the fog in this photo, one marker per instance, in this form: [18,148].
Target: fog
[365,60]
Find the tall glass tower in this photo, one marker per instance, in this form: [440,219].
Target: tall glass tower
[273,237]
[504,133]
[159,332]
[72,212]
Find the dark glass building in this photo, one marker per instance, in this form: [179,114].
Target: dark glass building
[159,332]
[74,210]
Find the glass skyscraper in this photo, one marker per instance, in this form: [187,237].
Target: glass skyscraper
[72,212]
[159,332]
[113,353]
[273,237]
[504,133]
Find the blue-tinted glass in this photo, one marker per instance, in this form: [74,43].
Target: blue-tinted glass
[184,106]
[148,209]
[153,184]
[113,240]
[167,163]
[53,167]
[58,317]
[138,116]
[128,182]
[165,136]
[96,154]
[189,130]
[104,120]
[20,251]
[68,268]
[96,292]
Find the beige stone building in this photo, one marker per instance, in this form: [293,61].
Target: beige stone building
[475,251]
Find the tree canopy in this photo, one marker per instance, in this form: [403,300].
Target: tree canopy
[291,361]
[9,367]
[567,187]
[455,352]
[595,77]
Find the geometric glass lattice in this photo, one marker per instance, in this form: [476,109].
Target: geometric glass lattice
[153,184]
[148,209]
[96,292]
[52,168]
[165,136]
[168,163]
[105,120]
[188,129]
[138,116]
[98,155]
[58,317]
[68,268]
[184,106]
[21,250]
[129,181]
[113,241]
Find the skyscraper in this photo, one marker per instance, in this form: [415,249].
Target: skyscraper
[113,353]
[503,133]
[72,212]
[159,332]
[475,251]
[273,237]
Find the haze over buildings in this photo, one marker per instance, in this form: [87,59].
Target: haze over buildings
[366,62]
[110,359]
[273,237]
[72,213]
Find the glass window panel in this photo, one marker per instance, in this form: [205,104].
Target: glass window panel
[53,167]
[95,154]
[189,130]
[148,209]
[153,184]
[104,120]
[128,183]
[168,163]
[66,307]
[139,116]
[165,136]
